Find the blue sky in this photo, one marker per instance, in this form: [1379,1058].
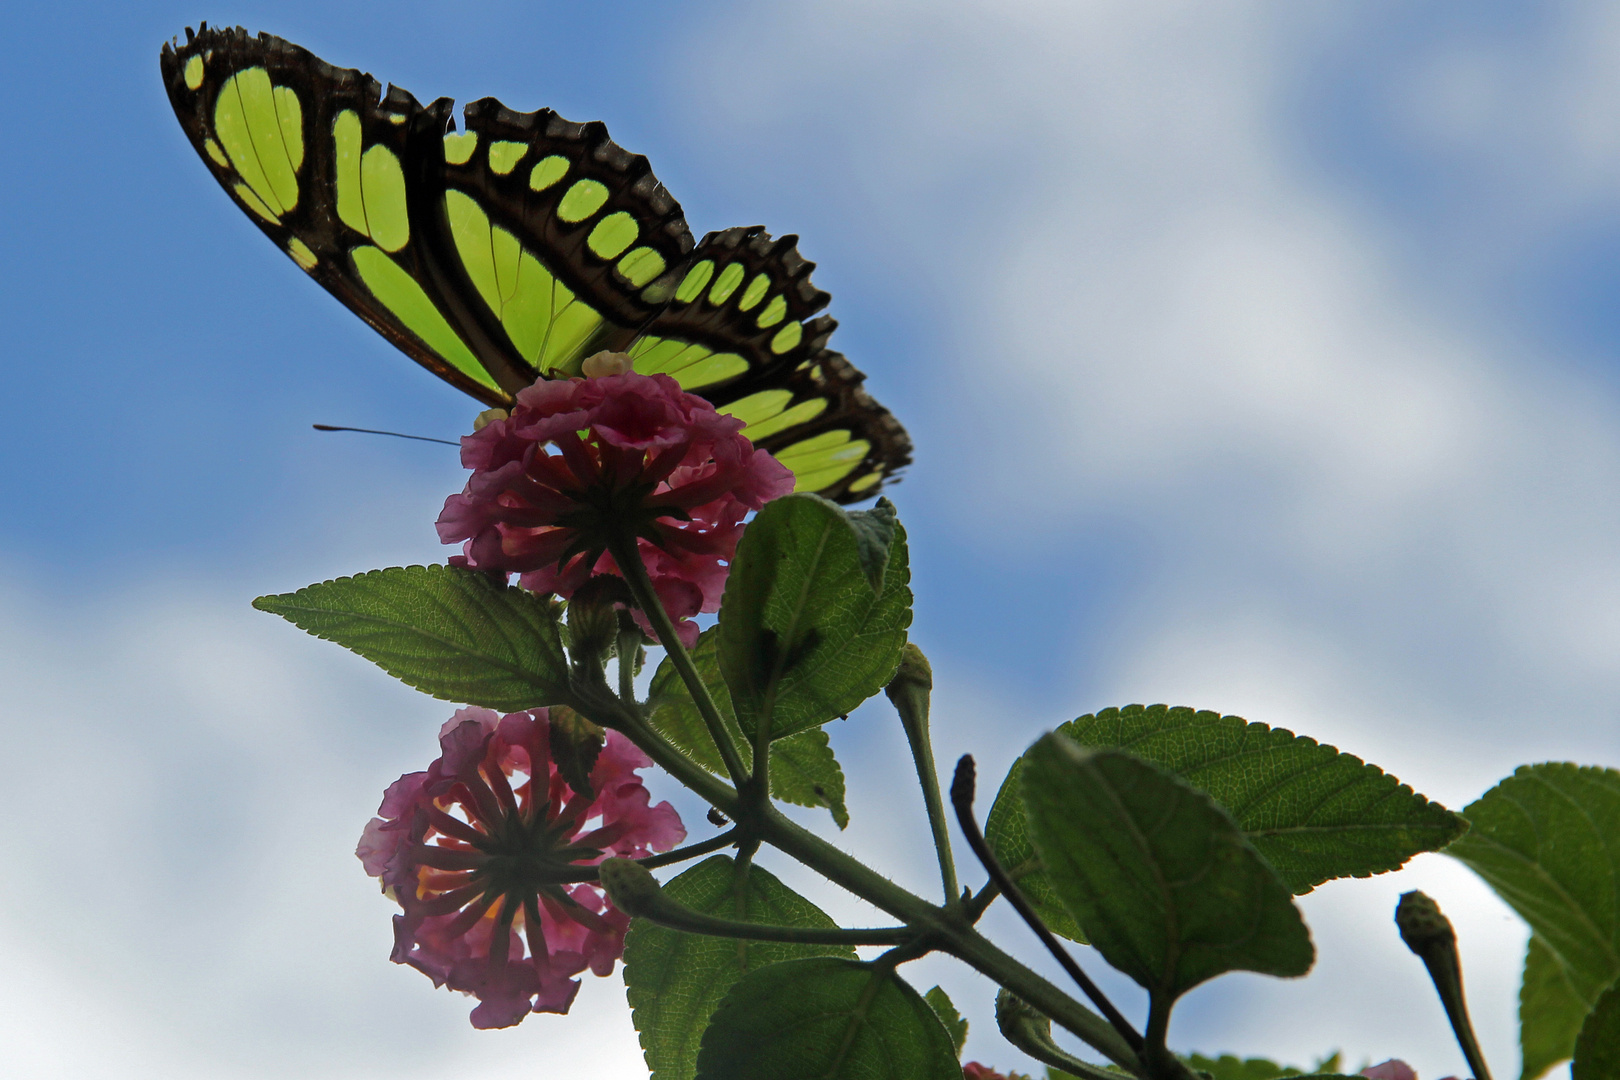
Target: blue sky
[1261,358]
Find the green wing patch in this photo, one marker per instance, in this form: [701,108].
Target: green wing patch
[569,240]
[742,330]
[317,156]
[515,248]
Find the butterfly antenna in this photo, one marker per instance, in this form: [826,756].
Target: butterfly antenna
[395,434]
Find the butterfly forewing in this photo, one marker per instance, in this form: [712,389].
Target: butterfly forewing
[314,154]
[515,248]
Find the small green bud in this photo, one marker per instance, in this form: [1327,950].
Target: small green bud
[593,624]
[1422,925]
[914,669]
[1428,933]
[630,886]
[910,688]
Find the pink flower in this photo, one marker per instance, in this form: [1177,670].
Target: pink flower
[580,461]
[1393,1069]
[974,1071]
[485,860]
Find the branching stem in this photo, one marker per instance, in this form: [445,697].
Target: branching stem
[962,798]
[944,927]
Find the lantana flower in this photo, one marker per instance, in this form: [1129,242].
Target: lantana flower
[1393,1069]
[972,1070]
[485,850]
[582,461]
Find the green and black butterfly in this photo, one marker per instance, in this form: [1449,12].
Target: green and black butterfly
[521,245]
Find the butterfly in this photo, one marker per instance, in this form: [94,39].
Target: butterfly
[520,245]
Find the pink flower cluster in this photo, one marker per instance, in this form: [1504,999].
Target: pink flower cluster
[485,852]
[582,461]
[974,1071]
[1393,1069]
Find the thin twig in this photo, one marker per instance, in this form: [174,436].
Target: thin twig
[690,851]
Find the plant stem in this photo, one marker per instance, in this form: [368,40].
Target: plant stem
[1429,934]
[954,935]
[764,822]
[676,916]
[629,644]
[909,692]
[962,798]
[978,953]
[979,902]
[628,556]
[690,851]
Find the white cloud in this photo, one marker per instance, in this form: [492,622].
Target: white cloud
[187,781]
[1377,510]
[1378,514]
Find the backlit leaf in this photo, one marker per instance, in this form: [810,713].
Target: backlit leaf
[955,1026]
[1550,1012]
[675,980]
[826,1020]
[803,636]
[1313,812]
[1547,839]
[803,769]
[454,634]
[1597,1051]
[1156,874]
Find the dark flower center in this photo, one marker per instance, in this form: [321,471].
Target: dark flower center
[528,857]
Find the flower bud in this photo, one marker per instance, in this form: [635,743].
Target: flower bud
[910,687]
[487,417]
[630,886]
[604,363]
[1422,925]
[593,624]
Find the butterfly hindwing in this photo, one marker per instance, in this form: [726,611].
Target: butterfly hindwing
[516,247]
[821,423]
[743,330]
[742,315]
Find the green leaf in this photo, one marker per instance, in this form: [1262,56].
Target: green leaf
[803,636]
[676,980]
[1206,1064]
[874,536]
[1313,812]
[1547,839]
[955,1026]
[1157,875]
[1231,1067]
[803,769]
[575,744]
[1597,1051]
[1550,1012]
[825,1020]
[456,634]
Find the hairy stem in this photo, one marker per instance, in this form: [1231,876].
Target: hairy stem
[628,556]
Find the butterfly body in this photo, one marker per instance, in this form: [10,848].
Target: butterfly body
[514,248]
